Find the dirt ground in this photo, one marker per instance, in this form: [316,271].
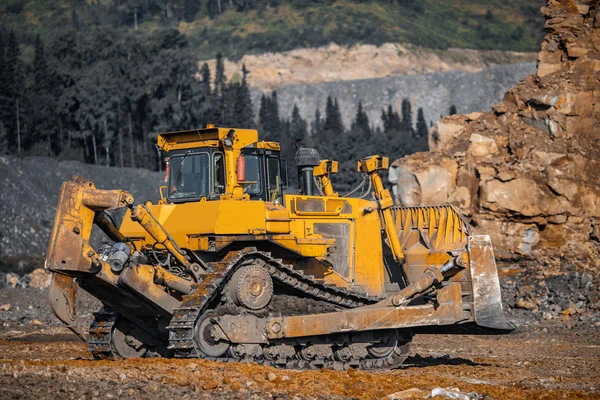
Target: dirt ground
[543,360]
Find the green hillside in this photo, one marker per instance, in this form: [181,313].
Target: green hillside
[237,27]
[96,80]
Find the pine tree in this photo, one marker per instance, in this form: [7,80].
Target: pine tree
[263,112]
[293,135]
[243,103]
[338,117]
[268,117]
[40,66]
[297,127]
[214,8]
[190,8]
[421,124]
[407,122]
[274,121]
[333,125]
[205,107]
[205,78]
[218,93]
[317,126]
[391,121]
[329,115]
[43,109]
[361,122]
[384,120]
[452,110]
[232,105]
[220,74]
[3,140]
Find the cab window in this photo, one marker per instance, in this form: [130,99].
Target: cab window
[189,176]
[253,185]
[219,173]
[274,178]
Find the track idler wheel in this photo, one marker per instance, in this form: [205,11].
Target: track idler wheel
[251,286]
[390,351]
[385,347]
[209,337]
[125,342]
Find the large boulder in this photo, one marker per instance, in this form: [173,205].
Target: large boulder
[430,185]
[528,171]
[444,133]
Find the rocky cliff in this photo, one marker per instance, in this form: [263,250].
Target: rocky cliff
[333,63]
[528,171]
[435,92]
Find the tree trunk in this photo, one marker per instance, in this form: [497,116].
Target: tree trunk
[61,135]
[95,148]
[18,128]
[169,10]
[120,133]
[219,9]
[86,147]
[106,144]
[131,152]
[135,21]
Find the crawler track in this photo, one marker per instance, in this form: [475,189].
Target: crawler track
[101,334]
[210,294]
[181,328]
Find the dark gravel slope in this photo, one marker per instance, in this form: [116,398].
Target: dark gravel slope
[29,189]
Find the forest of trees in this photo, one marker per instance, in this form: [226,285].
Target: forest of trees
[396,137]
[238,27]
[99,100]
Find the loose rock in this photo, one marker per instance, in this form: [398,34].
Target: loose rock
[271,376]
[210,385]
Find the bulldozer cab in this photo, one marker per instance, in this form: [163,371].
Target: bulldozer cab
[216,163]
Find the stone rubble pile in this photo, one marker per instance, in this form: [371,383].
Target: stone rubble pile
[572,296]
[527,172]
[38,279]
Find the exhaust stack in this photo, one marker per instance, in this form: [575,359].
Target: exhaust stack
[306,161]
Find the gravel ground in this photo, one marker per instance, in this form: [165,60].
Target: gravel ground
[544,359]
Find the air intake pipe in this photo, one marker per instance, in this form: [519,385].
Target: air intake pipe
[306,161]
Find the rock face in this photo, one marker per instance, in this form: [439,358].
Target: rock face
[527,172]
[332,63]
[435,92]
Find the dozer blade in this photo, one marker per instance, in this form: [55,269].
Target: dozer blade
[486,285]
[63,301]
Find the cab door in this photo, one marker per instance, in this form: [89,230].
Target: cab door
[274,183]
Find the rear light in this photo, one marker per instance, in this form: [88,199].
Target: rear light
[166,170]
[241,168]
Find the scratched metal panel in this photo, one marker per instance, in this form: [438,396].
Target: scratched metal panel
[340,257]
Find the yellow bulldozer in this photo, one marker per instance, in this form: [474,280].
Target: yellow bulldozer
[229,266]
